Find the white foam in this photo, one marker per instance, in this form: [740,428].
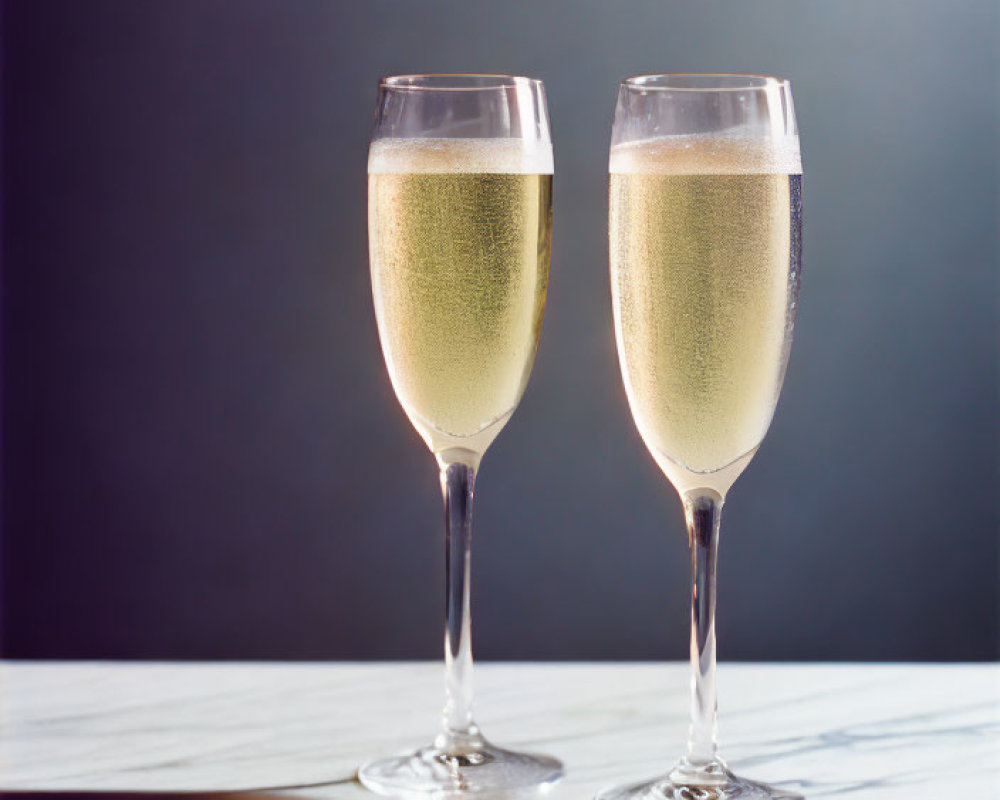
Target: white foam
[707,154]
[460,155]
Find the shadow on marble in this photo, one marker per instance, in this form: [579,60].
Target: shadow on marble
[282,793]
[263,795]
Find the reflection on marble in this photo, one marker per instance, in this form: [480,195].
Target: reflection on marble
[875,731]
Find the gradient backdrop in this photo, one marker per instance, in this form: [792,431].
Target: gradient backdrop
[202,454]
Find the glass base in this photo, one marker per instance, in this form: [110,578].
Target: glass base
[689,782]
[487,770]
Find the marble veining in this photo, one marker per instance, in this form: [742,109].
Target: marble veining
[879,732]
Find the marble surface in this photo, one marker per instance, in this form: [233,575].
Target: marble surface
[877,732]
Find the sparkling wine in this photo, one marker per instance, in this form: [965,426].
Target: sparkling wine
[460,238]
[705,234]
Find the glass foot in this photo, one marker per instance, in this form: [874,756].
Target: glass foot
[484,771]
[687,782]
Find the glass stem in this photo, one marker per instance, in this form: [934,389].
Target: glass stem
[703,509]
[459,734]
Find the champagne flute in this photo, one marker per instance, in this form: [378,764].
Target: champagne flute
[460,226]
[705,244]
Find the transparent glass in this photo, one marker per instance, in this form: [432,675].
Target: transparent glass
[460,218]
[705,252]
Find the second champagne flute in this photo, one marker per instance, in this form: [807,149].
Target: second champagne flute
[460,220]
[705,239]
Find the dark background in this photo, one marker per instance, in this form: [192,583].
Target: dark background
[202,454]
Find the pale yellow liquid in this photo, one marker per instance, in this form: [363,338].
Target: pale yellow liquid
[704,286]
[459,263]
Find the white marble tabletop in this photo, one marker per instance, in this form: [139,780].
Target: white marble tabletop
[877,732]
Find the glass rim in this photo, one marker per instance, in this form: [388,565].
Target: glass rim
[456,82]
[674,81]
